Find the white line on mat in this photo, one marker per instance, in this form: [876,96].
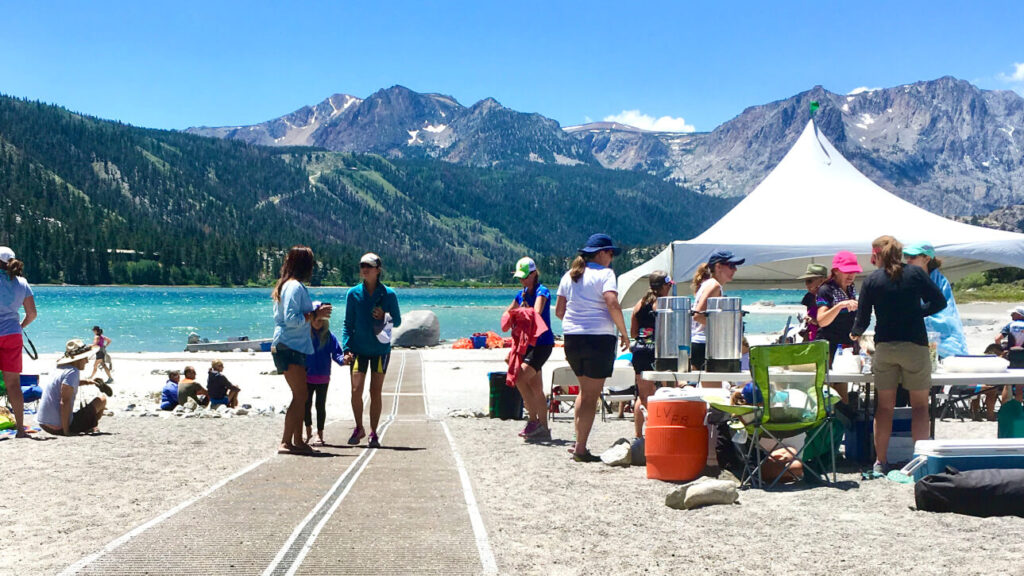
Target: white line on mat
[483,546]
[74,568]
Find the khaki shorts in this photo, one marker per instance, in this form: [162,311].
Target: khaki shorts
[902,363]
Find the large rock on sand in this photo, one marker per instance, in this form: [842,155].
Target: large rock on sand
[620,454]
[419,328]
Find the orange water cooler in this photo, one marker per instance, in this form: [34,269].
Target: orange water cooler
[676,441]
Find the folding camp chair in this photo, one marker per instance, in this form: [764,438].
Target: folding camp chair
[564,388]
[31,403]
[619,388]
[787,404]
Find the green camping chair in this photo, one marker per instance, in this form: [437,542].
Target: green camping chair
[798,403]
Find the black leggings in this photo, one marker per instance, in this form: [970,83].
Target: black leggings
[321,400]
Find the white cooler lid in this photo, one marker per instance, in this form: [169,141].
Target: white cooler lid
[976,447]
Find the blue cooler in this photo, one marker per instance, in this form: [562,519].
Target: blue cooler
[932,456]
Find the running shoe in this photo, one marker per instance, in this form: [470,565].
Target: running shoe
[540,433]
[585,457]
[374,441]
[356,436]
[530,428]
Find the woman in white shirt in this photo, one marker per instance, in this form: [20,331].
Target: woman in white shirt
[588,305]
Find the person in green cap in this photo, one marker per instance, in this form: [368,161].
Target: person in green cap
[813,277]
[530,381]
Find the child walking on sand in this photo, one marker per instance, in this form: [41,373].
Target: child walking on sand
[318,373]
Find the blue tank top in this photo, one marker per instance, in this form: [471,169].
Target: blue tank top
[547,338]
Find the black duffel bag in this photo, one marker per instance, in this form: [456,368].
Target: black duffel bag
[973,492]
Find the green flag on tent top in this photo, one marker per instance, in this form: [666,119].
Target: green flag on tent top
[814,107]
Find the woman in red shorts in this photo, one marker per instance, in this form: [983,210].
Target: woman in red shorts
[15,293]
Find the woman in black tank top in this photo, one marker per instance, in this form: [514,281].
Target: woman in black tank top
[641,329]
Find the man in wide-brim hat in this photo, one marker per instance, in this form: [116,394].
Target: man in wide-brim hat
[57,414]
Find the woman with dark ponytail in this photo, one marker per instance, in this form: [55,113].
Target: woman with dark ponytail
[641,329]
[15,293]
[895,292]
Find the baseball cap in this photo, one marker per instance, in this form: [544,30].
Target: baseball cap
[524,267]
[1017,310]
[920,248]
[846,262]
[371,259]
[6,254]
[659,278]
[814,271]
[725,256]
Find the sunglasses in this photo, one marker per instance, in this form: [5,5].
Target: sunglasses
[365,265]
[731,266]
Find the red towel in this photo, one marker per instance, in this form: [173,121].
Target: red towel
[526,326]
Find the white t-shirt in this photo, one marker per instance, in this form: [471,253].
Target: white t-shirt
[49,404]
[585,309]
[696,328]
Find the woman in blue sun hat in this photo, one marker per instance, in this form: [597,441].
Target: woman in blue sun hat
[530,381]
[588,305]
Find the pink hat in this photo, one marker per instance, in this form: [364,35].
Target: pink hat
[846,262]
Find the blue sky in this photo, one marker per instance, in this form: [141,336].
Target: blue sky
[184,63]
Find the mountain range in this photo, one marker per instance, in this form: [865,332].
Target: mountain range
[945,144]
[85,201]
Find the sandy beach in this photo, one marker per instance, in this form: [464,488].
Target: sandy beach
[65,498]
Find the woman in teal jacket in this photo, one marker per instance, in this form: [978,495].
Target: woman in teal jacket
[371,310]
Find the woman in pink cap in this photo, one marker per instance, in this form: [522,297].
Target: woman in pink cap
[837,308]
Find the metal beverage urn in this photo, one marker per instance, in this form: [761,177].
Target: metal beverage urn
[725,334]
[672,334]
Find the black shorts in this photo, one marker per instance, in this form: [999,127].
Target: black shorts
[536,356]
[643,356]
[371,364]
[698,355]
[84,420]
[285,357]
[591,355]
[100,354]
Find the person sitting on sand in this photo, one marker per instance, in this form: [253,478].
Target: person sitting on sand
[219,389]
[189,388]
[169,395]
[57,414]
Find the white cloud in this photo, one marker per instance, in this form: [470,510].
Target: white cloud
[861,90]
[647,122]
[1016,76]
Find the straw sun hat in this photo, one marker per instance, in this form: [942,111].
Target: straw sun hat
[74,351]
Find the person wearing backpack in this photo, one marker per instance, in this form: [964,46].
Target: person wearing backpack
[371,310]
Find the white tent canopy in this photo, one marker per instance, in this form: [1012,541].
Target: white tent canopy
[812,205]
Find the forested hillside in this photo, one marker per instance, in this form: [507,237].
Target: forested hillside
[89,201]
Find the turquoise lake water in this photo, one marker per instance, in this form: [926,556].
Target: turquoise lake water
[160,319]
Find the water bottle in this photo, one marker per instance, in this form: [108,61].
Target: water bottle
[839,354]
[865,362]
